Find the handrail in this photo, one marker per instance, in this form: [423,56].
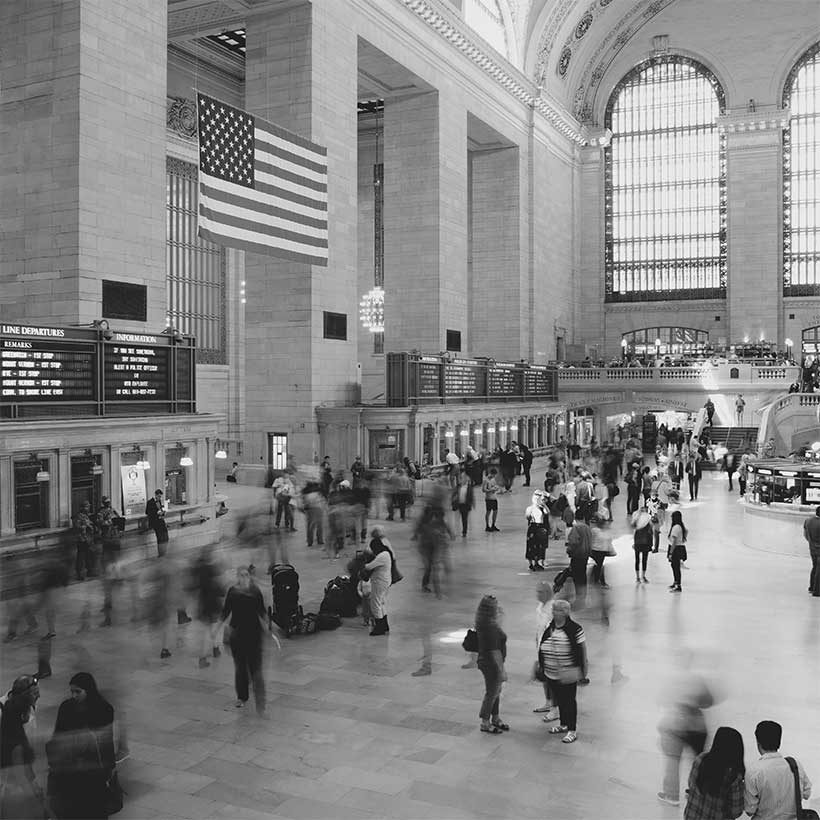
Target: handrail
[723,373]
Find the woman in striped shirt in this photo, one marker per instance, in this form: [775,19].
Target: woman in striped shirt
[563,659]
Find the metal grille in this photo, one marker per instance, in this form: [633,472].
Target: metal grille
[665,184]
[801,178]
[196,268]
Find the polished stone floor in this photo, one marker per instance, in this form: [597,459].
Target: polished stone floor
[352,734]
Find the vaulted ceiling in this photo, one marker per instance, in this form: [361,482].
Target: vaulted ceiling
[571,49]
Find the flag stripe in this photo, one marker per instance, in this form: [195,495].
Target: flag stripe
[245,197]
[294,139]
[284,151]
[288,223]
[288,176]
[249,241]
[261,228]
[265,183]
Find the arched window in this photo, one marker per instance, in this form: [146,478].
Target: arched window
[801,178]
[687,341]
[665,184]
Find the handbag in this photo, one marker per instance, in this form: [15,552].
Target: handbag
[395,574]
[470,642]
[113,791]
[802,814]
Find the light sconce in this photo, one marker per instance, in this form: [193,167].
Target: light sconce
[513,428]
[789,343]
[220,454]
[464,433]
[43,475]
[502,428]
[104,328]
[449,434]
[142,461]
[185,460]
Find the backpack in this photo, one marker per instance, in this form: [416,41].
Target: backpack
[340,597]
[328,620]
[285,612]
[644,537]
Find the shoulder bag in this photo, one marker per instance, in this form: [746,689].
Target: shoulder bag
[470,642]
[802,814]
[113,791]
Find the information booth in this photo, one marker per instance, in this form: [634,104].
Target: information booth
[93,412]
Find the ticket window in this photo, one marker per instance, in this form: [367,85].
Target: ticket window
[176,476]
[86,481]
[386,447]
[30,495]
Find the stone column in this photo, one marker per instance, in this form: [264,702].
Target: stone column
[499,293]
[754,228]
[82,153]
[300,74]
[425,221]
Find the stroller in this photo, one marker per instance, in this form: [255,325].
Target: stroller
[285,612]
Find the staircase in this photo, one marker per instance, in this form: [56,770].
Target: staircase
[734,439]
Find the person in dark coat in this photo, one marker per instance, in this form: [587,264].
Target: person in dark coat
[81,752]
[155,510]
[20,793]
[526,462]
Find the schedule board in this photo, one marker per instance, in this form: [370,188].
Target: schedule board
[99,371]
[32,370]
[137,371]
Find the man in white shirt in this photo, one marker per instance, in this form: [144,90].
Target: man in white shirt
[769,780]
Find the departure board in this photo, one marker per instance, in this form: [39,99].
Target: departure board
[539,381]
[429,378]
[463,378]
[40,371]
[505,380]
[137,371]
[44,369]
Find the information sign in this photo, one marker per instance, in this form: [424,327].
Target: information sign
[135,371]
[34,370]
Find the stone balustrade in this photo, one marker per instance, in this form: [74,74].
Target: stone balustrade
[725,375]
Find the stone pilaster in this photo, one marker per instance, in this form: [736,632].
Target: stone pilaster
[301,66]
[754,228]
[84,85]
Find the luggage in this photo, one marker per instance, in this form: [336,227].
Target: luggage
[328,620]
[285,612]
[309,624]
[340,597]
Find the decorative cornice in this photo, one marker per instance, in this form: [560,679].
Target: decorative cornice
[561,121]
[753,121]
[599,137]
[675,305]
[180,117]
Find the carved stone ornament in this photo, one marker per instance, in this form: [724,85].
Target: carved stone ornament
[753,121]
[181,117]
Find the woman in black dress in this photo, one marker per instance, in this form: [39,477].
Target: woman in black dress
[81,752]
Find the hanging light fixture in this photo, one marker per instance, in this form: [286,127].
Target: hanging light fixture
[371,310]
[185,460]
[220,454]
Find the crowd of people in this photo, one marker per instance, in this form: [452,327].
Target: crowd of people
[573,511]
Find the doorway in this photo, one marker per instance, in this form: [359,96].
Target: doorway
[278,451]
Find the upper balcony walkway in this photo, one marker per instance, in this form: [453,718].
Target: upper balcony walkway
[724,376]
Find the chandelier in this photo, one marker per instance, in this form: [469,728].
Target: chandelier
[371,310]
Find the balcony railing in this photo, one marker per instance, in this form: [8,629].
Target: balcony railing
[725,373]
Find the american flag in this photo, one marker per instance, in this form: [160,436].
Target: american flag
[261,188]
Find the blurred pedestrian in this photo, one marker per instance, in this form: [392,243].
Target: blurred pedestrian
[207,587]
[84,539]
[563,659]
[543,616]
[244,613]
[526,462]
[81,752]
[463,499]
[21,795]
[155,511]
[579,549]
[811,532]
[108,526]
[716,781]
[642,543]
[601,548]
[432,534]
[676,552]
[492,652]
[683,725]
[314,505]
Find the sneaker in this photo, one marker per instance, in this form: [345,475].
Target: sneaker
[203,662]
[421,673]
[667,798]
[552,714]
[676,589]
[239,704]
[165,653]
[569,737]
[557,730]
[671,586]
[540,709]
[494,529]
[488,529]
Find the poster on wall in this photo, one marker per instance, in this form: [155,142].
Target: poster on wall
[133,491]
